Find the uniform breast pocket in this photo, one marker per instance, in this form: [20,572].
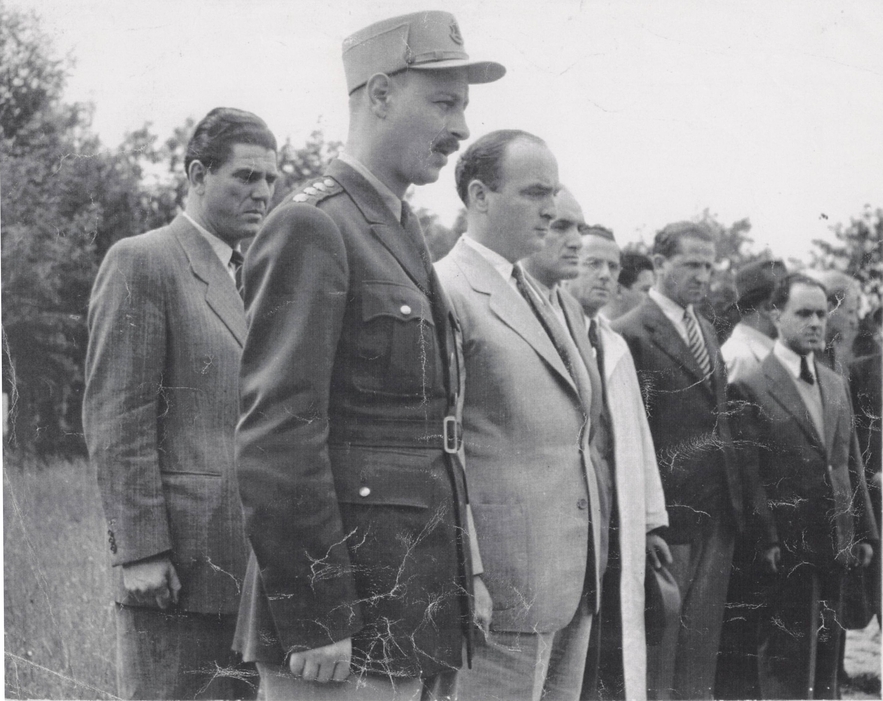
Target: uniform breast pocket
[396,344]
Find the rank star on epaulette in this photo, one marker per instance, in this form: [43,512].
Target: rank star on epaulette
[317,191]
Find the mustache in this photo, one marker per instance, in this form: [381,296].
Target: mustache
[447,145]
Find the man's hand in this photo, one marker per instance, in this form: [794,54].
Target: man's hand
[770,559]
[657,551]
[863,553]
[324,664]
[483,605]
[153,578]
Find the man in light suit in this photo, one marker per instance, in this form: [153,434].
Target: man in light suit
[353,492]
[528,400]
[166,327]
[811,499]
[634,491]
[683,382]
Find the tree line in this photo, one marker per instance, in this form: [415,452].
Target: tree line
[65,198]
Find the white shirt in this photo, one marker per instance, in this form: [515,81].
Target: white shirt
[745,350]
[810,393]
[222,249]
[389,198]
[497,262]
[675,313]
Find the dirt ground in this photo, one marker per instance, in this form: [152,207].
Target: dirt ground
[862,662]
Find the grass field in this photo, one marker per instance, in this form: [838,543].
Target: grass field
[59,628]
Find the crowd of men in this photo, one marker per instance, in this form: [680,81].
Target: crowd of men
[336,470]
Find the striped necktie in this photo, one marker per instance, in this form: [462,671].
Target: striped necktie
[697,344]
[236,260]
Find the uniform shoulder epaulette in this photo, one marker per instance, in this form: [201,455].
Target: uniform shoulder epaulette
[317,190]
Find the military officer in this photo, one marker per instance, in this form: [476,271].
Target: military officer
[360,581]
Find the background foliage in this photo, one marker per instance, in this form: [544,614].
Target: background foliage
[65,198]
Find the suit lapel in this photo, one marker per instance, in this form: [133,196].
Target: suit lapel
[220,292]
[383,224]
[509,306]
[831,405]
[667,339]
[782,390]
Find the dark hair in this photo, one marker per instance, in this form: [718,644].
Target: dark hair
[668,239]
[483,159]
[782,291]
[220,130]
[632,264]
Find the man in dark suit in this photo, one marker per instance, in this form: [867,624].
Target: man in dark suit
[528,415]
[810,498]
[683,382]
[166,327]
[353,493]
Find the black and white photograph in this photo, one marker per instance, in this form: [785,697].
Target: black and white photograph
[465,350]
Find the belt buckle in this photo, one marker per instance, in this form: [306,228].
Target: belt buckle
[453,435]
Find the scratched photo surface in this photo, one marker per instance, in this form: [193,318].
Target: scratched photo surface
[759,121]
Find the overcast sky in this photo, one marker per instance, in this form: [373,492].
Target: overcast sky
[655,110]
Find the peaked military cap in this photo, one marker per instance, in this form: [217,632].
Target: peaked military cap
[429,40]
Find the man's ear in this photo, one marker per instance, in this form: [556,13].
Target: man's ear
[196,174]
[378,89]
[658,261]
[478,195]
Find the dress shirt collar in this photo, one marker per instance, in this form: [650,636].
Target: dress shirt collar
[674,312]
[752,336]
[222,249]
[549,295]
[387,195]
[791,360]
[497,262]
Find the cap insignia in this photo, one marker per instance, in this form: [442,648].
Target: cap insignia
[455,33]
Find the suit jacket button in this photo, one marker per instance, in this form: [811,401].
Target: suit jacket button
[405,309]
[364,491]
[582,504]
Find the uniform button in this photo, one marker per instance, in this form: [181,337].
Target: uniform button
[300,197]
[582,504]
[318,186]
[405,309]
[364,491]
[328,182]
[310,191]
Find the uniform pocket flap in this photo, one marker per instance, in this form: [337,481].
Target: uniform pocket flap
[395,300]
[382,478]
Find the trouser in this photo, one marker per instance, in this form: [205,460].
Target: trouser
[683,665]
[604,677]
[179,655]
[800,637]
[278,684]
[512,666]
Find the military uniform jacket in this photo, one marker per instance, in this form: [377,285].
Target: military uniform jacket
[355,512]
[811,497]
[166,328]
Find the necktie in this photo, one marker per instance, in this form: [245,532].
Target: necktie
[595,340]
[697,344]
[557,335]
[411,224]
[805,373]
[236,261]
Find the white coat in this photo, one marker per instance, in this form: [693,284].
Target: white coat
[640,499]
